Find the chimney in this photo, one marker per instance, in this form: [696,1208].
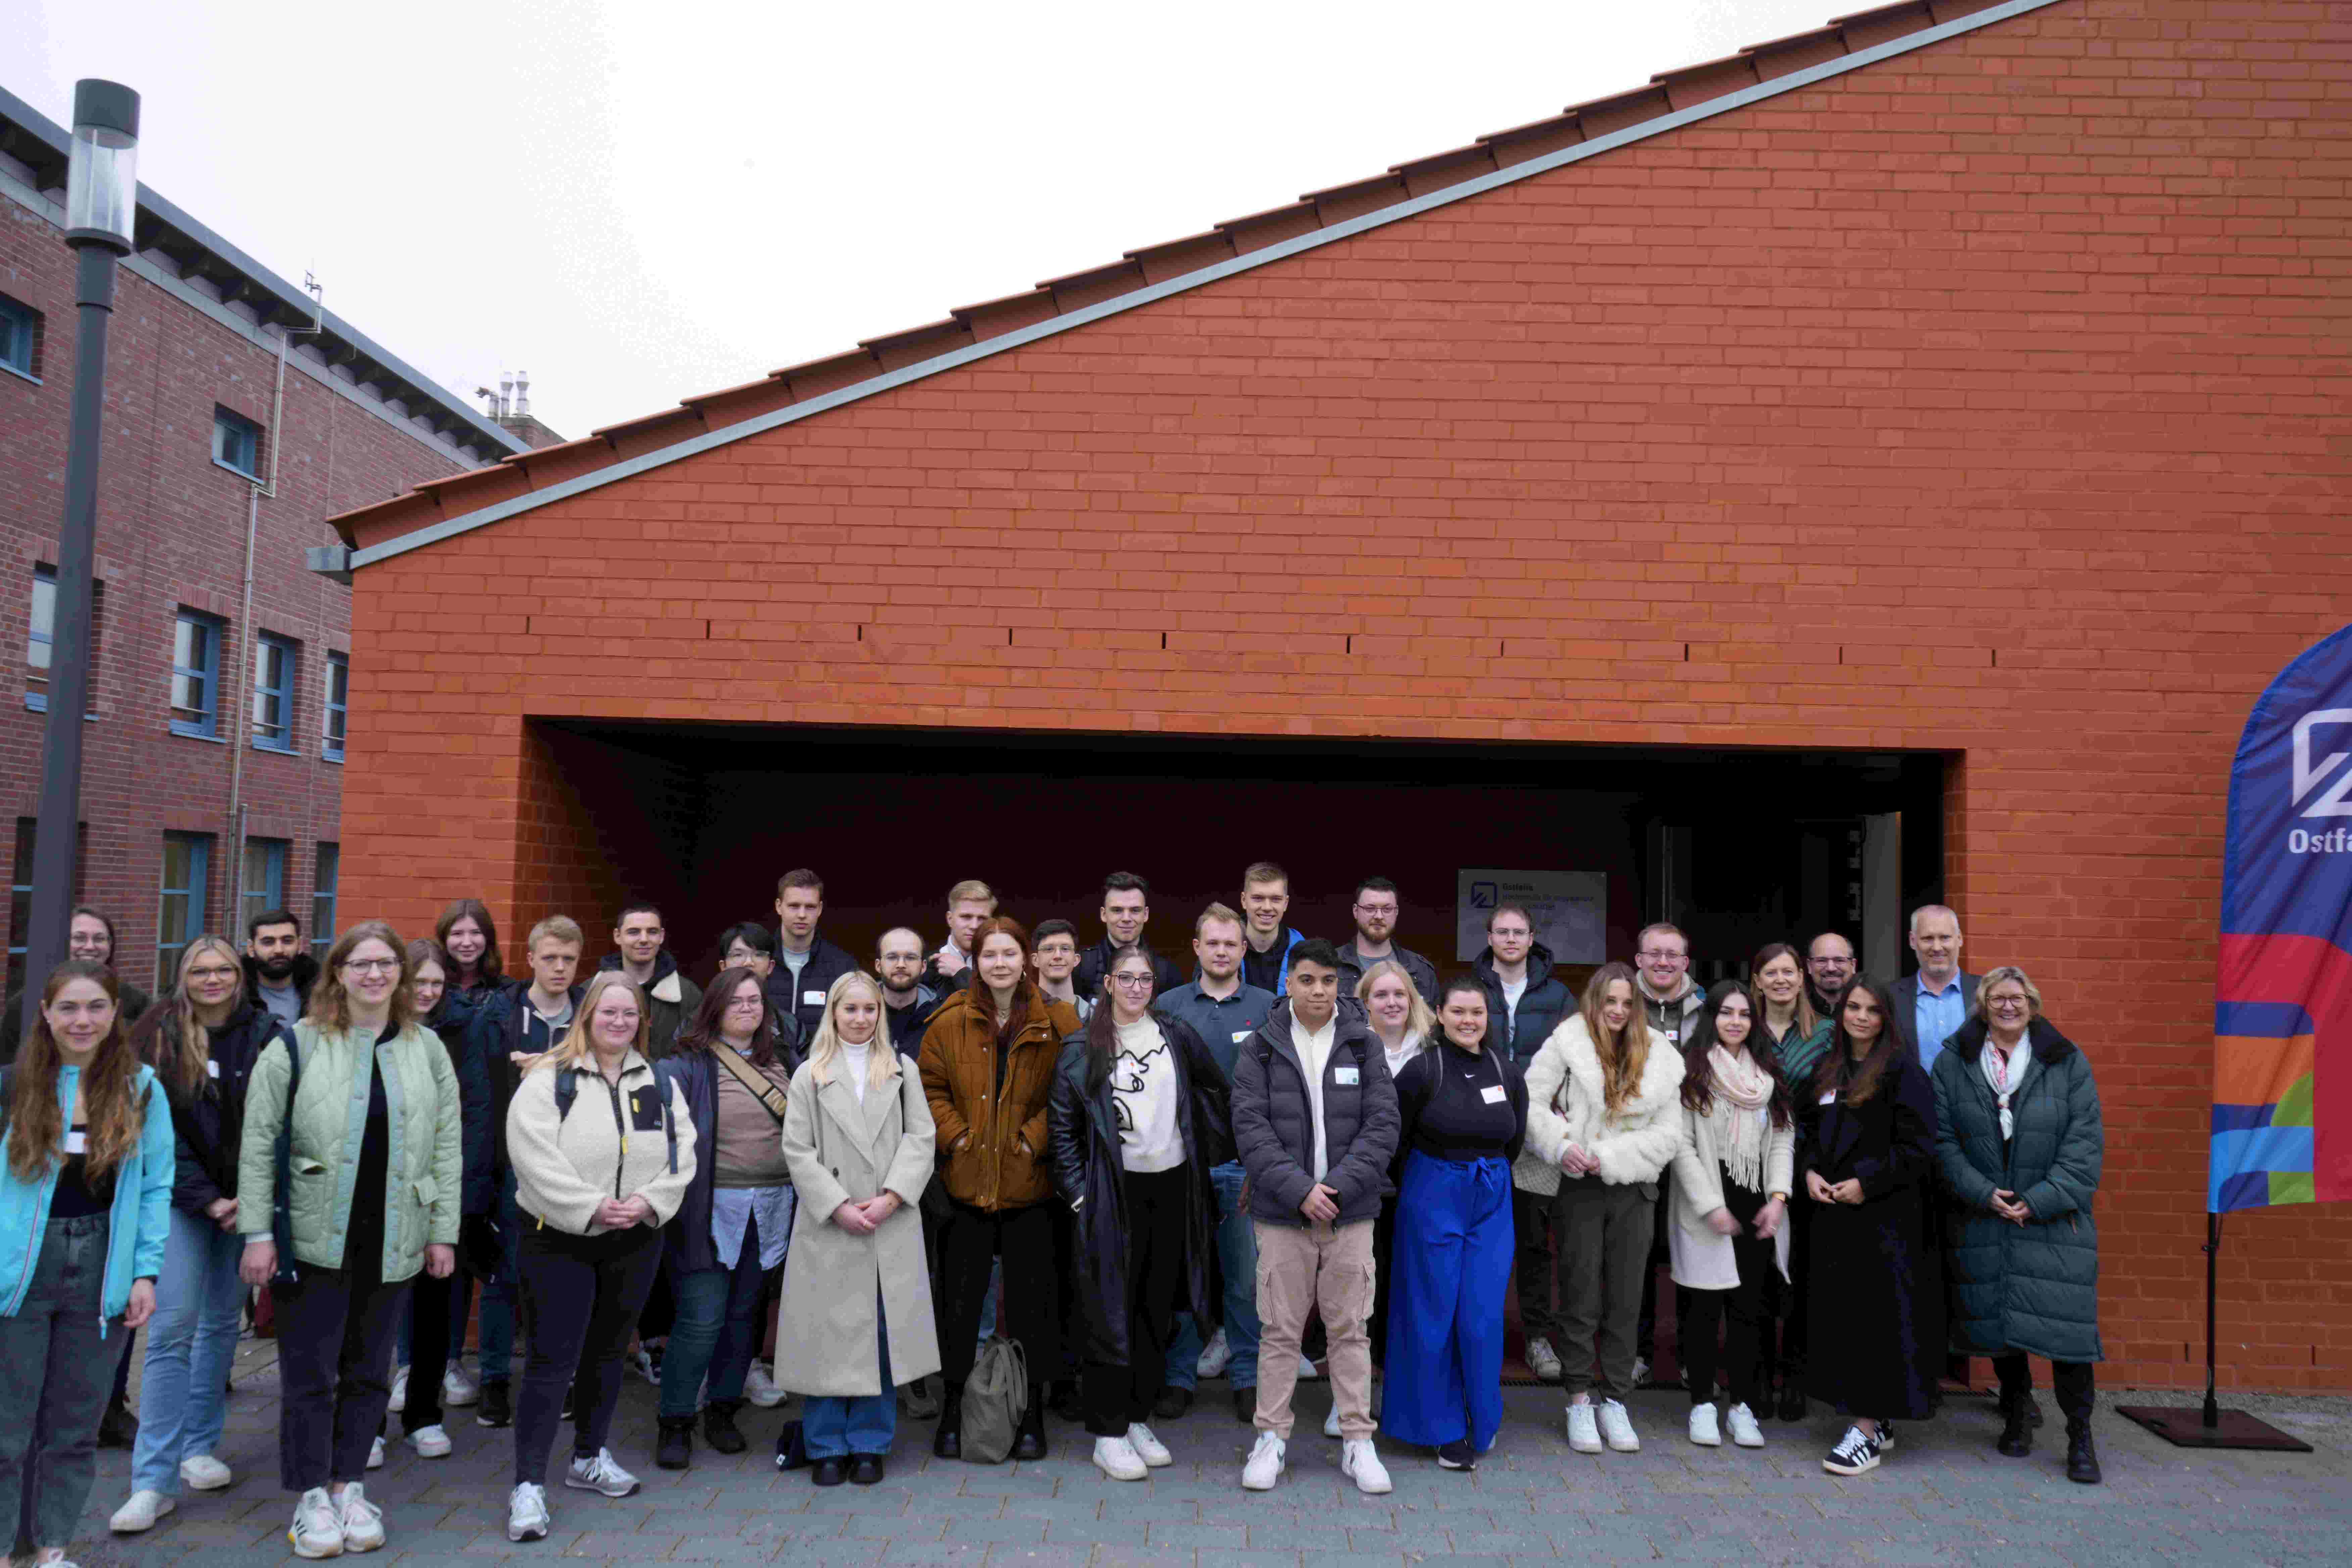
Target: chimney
[515,417]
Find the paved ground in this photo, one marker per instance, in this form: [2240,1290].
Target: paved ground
[1944,1497]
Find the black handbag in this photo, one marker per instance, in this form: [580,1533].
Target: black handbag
[282,1154]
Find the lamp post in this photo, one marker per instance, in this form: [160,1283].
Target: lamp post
[101,205]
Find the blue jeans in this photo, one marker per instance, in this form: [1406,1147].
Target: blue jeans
[60,1363]
[715,1329]
[191,1340]
[1237,1257]
[834,1426]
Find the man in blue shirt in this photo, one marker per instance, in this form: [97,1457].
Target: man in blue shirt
[1936,1000]
[1224,1010]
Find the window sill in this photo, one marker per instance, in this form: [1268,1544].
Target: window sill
[335,757]
[240,473]
[20,374]
[187,734]
[275,750]
[35,702]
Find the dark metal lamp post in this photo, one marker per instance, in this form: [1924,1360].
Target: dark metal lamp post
[101,205]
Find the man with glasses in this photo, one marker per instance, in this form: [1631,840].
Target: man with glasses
[1376,910]
[907,1002]
[1829,970]
[1672,1004]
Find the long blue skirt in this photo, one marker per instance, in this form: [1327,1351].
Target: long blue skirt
[1450,1270]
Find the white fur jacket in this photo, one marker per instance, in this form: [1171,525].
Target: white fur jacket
[1566,1104]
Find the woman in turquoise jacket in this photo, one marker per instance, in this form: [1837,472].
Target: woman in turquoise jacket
[86,1169]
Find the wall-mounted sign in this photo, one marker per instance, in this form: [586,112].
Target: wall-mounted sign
[1568,908]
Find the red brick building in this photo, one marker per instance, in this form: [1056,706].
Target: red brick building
[1884,465]
[213,761]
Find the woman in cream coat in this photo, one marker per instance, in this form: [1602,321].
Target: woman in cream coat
[856,1314]
[1729,1232]
[1604,1113]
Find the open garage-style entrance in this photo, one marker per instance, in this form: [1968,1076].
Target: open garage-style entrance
[1740,847]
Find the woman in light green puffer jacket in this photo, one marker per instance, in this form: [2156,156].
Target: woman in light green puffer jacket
[374,1167]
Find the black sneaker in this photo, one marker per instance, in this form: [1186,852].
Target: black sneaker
[1456,1456]
[495,1409]
[1855,1455]
[1172,1403]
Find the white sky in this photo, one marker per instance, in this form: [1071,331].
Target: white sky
[636,202]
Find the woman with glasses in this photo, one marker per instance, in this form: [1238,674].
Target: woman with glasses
[374,1174]
[1139,1117]
[2020,1143]
[202,1042]
[731,1228]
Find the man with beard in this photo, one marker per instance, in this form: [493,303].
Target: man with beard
[907,1002]
[278,973]
[1828,969]
[1376,907]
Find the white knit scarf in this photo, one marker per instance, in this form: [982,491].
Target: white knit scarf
[2006,1074]
[1743,1095]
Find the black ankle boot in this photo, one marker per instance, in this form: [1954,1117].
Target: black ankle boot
[947,1443]
[1029,1443]
[2081,1456]
[718,1428]
[674,1450]
[2016,1438]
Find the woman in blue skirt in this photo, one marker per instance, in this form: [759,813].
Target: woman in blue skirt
[1463,1110]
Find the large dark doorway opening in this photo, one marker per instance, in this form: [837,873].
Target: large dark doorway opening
[1737,846]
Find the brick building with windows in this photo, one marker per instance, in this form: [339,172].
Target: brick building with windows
[1882,465]
[215,760]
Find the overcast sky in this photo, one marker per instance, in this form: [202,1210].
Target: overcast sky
[637,202]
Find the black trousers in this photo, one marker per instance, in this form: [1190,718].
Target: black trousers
[1118,1397]
[335,1334]
[2074,1382]
[1645,1332]
[581,1297]
[436,1328]
[1384,1248]
[1024,1238]
[1739,1314]
[1791,1361]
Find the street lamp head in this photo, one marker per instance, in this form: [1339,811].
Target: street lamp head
[103,173]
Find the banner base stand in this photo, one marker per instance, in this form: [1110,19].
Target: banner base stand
[2186,1426]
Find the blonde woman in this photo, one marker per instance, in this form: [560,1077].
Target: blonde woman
[1604,1112]
[1404,1025]
[856,1314]
[604,1150]
[374,1164]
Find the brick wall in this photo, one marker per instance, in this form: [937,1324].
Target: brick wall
[1984,401]
[172,532]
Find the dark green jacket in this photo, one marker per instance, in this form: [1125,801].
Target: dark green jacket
[2034,1286]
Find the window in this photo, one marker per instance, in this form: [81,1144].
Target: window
[20,905]
[237,443]
[338,697]
[40,635]
[20,337]
[195,675]
[273,693]
[265,878]
[186,859]
[322,900]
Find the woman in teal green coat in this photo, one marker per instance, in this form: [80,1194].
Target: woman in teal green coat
[2019,1143]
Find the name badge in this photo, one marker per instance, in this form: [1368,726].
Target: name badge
[212,1067]
[77,1141]
[1830,1098]
[812,998]
[1345,1077]
[1241,1034]
[1492,1094]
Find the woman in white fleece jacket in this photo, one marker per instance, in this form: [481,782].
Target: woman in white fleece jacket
[1604,1111]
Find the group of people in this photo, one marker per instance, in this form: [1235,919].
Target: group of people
[1006,1175]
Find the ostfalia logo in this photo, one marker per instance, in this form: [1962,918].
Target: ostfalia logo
[2308,777]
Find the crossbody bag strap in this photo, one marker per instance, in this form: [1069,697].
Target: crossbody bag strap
[761,1088]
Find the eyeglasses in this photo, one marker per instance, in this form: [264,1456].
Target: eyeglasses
[1132,981]
[222,973]
[751,1002]
[373,965]
[1662,955]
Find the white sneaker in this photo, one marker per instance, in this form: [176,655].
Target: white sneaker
[1358,1458]
[1215,1357]
[1543,1360]
[1264,1464]
[1331,1423]
[527,1513]
[761,1389]
[600,1475]
[1308,1370]
[399,1390]
[1148,1448]
[1116,1458]
[430,1443]
[318,1529]
[1583,1431]
[363,1522]
[1705,1429]
[203,1473]
[641,1361]
[1641,1370]
[141,1512]
[1744,1429]
[1617,1427]
[458,1389]
[375,1454]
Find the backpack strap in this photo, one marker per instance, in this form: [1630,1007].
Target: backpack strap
[567,1089]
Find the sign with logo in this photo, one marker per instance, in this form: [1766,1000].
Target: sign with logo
[2281,1128]
[1567,908]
